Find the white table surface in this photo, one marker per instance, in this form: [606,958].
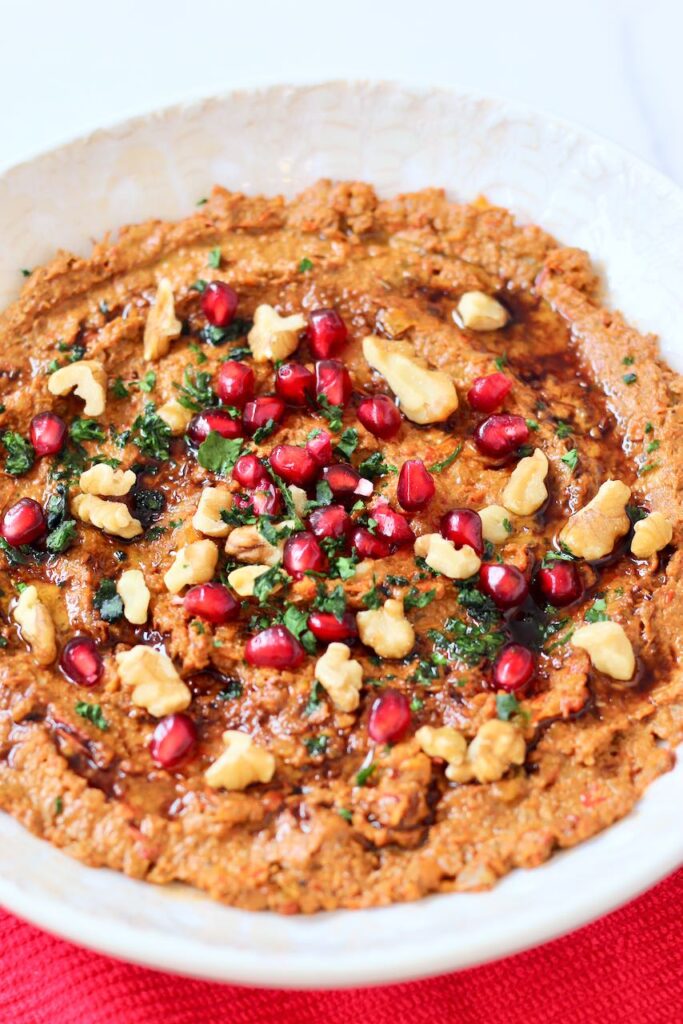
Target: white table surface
[613,66]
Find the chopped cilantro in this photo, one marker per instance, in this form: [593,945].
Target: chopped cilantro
[261,433]
[372,598]
[571,458]
[107,601]
[507,525]
[332,413]
[501,361]
[265,584]
[323,496]
[214,258]
[652,447]
[296,621]
[316,745]
[70,464]
[439,467]
[344,813]
[343,566]
[467,643]
[93,713]
[417,704]
[219,454]
[151,434]
[145,383]
[86,430]
[375,466]
[201,202]
[237,354]
[332,601]
[418,599]
[119,389]
[59,805]
[20,454]
[347,443]
[628,360]
[635,514]
[364,774]
[239,328]
[551,557]
[563,430]
[648,468]
[396,581]
[199,285]
[648,428]
[313,699]
[62,537]
[305,265]
[532,424]
[196,392]
[25,272]
[194,347]
[507,705]
[15,556]
[232,690]
[630,378]
[598,611]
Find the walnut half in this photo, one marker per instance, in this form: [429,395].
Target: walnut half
[386,630]
[341,675]
[162,325]
[241,763]
[425,395]
[592,532]
[157,687]
[37,627]
[86,379]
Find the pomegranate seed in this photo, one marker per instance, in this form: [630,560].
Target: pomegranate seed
[560,584]
[23,522]
[173,740]
[327,627]
[213,602]
[295,383]
[392,525]
[274,647]
[294,464]
[327,333]
[513,668]
[389,717]
[219,303]
[370,545]
[47,433]
[236,383]
[259,411]
[415,487]
[342,478]
[333,380]
[249,471]
[320,447]
[303,553]
[463,526]
[82,662]
[487,393]
[333,521]
[504,584]
[263,500]
[501,434]
[380,416]
[219,420]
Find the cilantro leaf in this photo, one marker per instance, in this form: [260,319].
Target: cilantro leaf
[375,466]
[151,434]
[62,537]
[347,443]
[265,584]
[439,467]
[214,259]
[107,601]
[219,454]
[332,413]
[92,713]
[507,705]
[598,611]
[418,598]
[86,430]
[571,458]
[20,454]
[196,392]
[305,265]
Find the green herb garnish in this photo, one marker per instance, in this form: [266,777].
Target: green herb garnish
[93,713]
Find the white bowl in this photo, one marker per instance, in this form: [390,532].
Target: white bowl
[586,191]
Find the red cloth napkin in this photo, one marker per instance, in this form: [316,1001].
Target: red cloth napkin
[626,967]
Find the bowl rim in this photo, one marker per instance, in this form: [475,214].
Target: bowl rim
[198,959]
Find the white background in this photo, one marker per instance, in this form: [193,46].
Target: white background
[69,66]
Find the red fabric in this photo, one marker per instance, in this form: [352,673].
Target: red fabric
[626,968]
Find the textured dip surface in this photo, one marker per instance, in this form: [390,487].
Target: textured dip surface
[285,775]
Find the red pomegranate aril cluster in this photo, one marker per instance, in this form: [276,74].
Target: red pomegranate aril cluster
[219,420]
[236,383]
[320,447]
[259,411]
[219,303]
[463,526]
[504,584]
[392,525]
[327,333]
[501,434]
[332,521]
[560,584]
[249,471]
[488,393]
[295,383]
[47,433]
[327,628]
[514,668]
[380,416]
[303,553]
[173,740]
[415,487]
[212,602]
[389,717]
[294,464]
[274,647]
[333,381]
[23,523]
[370,545]
[82,662]
[342,479]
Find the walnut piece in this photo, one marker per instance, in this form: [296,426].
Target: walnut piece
[37,627]
[157,687]
[193,563]
[493,523]
[443,556]
[242,580]
[299,500]
[650,535]
[425,395]
[496,747]
[341,675]
[386,630]
[447,743]
[246,544]
[86,379]
[481,312]
[134,593]
[273,336]
[162,324]
[102,479]
[207,518]
[241,763]
[592,532]
[608,647]
[526,491]
[111,516]
[175,416]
